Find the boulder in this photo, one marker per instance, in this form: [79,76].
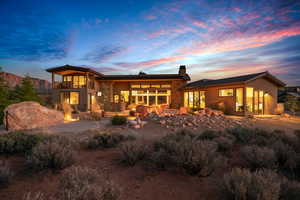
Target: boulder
[30,115]
[142,110]
[183,110]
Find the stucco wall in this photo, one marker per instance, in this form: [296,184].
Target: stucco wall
[271,89]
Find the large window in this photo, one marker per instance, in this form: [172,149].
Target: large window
[125,96]
[249,99]
[70,98]
[239,101]
[76,81]
[194,99]
[226,92]
[150,97]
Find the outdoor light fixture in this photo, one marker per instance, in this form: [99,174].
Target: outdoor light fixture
[99,94]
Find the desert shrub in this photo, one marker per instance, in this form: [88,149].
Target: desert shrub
[54,153]
[5,175]
[242,135]
[169,142]
[224,143]
[133,152]
[19,142]
[241,184]
[160,159]
[106,140]
[197,157]
[285,154]
[34,196]
[208,135]
[79,183]
[297,133]
[290,190]
[118,120]
[256,157]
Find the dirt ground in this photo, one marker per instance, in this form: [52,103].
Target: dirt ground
[138,182]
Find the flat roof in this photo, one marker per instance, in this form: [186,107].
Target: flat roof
[63,68]
[144,77]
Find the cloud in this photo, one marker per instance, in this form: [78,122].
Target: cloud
[104,53]
[31,37]
[148,63]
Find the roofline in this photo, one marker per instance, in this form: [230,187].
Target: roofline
[273,78]
[143,77]
[75,68]
[213,85]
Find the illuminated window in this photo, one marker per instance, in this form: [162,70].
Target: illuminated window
[239,103]
[202,99]
[249,99]
[261,102]
[165,86]
[155,86]
[226,92]
[125,96]
[256,101]
[145,86]
[186,99]
[67,78]
[70,98]
[135,86]
[150,97]
[116,98]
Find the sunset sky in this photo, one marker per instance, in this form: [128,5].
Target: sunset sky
[213,38]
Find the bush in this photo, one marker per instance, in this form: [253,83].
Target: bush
[197,157]
[106,140]
[290,190]
[80,183]
[96,116]
[243,185]
[242,135]
[19,142]
[256,157]
[118,120]
[133,152]
[208,135]
[285,154]
[35,196]
[224,143]
[54,153]
[5,175]
[160,159]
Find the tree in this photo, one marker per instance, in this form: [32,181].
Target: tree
[292,104]
[26,91]
[4,96]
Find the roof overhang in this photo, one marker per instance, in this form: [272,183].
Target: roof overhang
[270,77]
[69,69]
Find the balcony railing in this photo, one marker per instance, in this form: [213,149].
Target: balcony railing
[71,85]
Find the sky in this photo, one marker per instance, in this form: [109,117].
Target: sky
[213,38]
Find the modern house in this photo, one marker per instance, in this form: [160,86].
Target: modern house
[83,87]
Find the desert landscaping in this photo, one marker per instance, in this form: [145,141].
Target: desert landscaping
[201,155]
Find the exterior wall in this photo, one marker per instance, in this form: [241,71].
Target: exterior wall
[270,100]
[111,88]
[177,94]
[82,106]
[212,97]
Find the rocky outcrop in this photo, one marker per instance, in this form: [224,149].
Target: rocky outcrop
[30,115]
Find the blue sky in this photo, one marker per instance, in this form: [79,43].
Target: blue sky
[214,38]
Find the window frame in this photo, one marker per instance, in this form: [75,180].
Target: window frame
[220,89]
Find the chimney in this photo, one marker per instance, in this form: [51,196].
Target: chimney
[182,70]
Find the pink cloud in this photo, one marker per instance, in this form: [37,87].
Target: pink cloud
[200,24]
[238,41]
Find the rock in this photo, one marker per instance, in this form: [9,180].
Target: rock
[30,115]
[285,115]
[142,110]
[183,110]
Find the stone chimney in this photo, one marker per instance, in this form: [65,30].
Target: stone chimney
[182,70]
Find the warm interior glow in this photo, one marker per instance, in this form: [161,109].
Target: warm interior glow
[194,99]
[249,99]
[150,97]
[226,92]
[239,100]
